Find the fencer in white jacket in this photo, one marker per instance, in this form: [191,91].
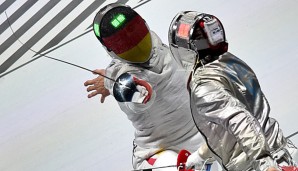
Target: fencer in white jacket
[148,88]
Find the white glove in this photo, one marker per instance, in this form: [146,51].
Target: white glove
[199,158]
[193,160]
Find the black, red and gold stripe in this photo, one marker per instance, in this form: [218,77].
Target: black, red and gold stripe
[132,40]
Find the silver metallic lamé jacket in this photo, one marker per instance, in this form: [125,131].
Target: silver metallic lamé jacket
[232,113]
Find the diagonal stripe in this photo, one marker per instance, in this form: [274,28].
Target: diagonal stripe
[51,24]
[89,29]
[19,12]
[5,5]
[6,73]
[132,8]
[35,18]
[122,1]
[41,55]
[71,26]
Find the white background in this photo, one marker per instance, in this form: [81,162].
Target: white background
[47,122]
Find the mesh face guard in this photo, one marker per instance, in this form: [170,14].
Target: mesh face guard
[123,33]
[191,32]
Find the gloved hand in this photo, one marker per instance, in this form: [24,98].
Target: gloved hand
[199,158]
[193,160]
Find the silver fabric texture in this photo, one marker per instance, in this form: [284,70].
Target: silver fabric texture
[232,113]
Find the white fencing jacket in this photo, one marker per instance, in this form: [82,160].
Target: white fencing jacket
[165,121]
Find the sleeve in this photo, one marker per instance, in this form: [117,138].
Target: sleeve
[112,71]
[218,106]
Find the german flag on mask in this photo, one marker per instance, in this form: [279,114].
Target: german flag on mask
[125,32]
